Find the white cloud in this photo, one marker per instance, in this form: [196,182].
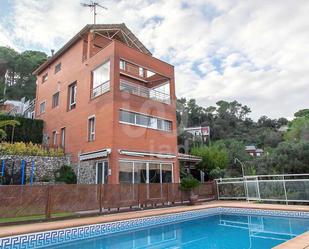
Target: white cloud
[253,51]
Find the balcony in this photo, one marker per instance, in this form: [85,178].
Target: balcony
[100,89]
[145,92]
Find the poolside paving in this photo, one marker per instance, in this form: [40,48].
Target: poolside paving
[299,242]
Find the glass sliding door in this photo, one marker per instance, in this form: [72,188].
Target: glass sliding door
[154,173]
[167,172]
[101,172]
[145,172]
[126,172]
[140,172]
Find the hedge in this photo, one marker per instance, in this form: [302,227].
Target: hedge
[29,130]
[28,149]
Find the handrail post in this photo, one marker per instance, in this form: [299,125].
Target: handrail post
[48,208]
[100,196]
[285,194]
[167,194]
[138,195]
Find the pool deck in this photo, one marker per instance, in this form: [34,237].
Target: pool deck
[300,242]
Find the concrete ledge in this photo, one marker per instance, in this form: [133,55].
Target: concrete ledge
[299,242]
[53,225]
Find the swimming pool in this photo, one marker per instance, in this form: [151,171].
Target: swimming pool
[219,228]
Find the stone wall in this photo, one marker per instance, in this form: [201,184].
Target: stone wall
[44,167]
[86,174]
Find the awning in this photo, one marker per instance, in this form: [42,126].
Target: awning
[94,154]
[188,158]
[143,154]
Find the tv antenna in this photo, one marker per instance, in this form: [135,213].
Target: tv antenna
[93,7]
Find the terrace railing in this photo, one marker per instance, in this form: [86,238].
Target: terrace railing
[100,89]
[145,92]
[288,188]
[49,200]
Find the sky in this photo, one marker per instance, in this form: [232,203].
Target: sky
[252,51]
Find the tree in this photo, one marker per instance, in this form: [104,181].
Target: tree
[19,66]
[302,113]
[298,129]
[212,157]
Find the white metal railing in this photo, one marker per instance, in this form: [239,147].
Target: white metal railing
[273,188]
[100,89]
[144,92]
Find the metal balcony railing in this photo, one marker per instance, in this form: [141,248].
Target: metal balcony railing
[144,92]
[100,89]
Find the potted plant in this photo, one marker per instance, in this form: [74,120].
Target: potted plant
[189,183]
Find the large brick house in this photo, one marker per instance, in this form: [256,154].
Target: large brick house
[110,104]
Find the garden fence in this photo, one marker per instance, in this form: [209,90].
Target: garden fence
[18,201]
[288,188]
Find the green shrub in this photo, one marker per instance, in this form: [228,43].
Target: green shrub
[66,174]
[45,178]
[28,149]
[189,183]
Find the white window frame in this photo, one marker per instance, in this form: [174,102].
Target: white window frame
[62,136]
[43,102]
[53,106]
[54,134]
[141,72]
[72,105]
[44,77]
[91,133]
[103,170]
[122,64]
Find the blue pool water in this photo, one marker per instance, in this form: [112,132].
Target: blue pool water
[212,232]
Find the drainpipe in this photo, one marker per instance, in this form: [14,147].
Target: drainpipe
[78,167]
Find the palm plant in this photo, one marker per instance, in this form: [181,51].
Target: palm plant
[4,123]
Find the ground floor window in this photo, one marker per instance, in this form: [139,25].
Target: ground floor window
[145,172]
[101,172]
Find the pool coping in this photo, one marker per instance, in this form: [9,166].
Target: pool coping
[301,241]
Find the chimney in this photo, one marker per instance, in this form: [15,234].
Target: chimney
[52,52]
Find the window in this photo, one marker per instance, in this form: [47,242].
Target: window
[42,107]
[63,137]
[122,65]
[100,79]
[167,125]
[144,121]
[145,172]
[141,72]
[91,129]
[58,67]
[32,115]
[54,138]
[55,100]
[72,96]
[45,77]
[127,117]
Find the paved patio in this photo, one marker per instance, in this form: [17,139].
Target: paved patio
[300,242]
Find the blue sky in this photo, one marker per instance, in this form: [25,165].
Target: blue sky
[253,51]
